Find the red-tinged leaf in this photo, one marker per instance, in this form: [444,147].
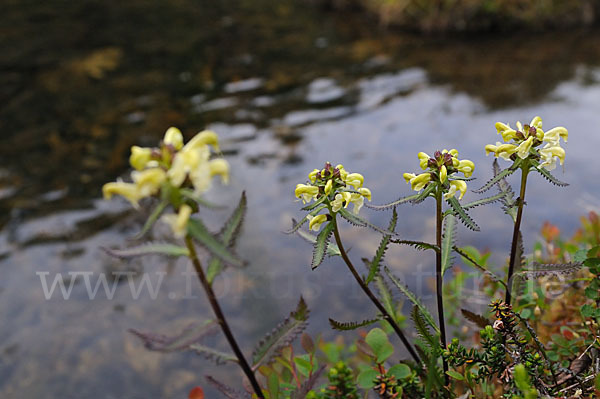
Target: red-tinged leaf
[196,393]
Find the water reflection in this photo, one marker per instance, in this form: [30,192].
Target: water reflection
[287,88]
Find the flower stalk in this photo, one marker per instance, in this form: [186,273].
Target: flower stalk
[386,315]
[517,228]
[221,318]
[440,277]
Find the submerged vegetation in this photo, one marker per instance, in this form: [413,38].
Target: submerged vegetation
[539,336]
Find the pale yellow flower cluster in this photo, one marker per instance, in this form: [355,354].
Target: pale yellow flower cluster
[339,186]
[527,140]
[441,168]
[173,165]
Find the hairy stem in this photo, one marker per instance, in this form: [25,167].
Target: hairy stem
[221,319]
[515,238]
[440,278]
[387,316]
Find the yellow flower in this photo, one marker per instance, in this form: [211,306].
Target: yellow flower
[443,173]
[341,199]
[312,176]
[128,190]
[553,135]
[148,181]
[365,192]
[408,177]
[355,180]
[423,160]
[219,167]
[316,221]
[548,154]
[358,201]
[343,172]
[174,138]
[454,186]
[501,150]
[418,182]
[205,137]
[466,167]
[179,222]
[328,186]
[524,147]
[189,159]
[139,157]
[306,192]
[506,131]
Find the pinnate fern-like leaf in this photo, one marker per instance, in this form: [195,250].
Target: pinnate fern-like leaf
[305,219]
[399,201]
[421,325]
[549,176]
[352,325]
[475,318]
[321,245]
[360,222]
[230,393]
[212,354]
[474,263]
[182,341]
[158,210]
[499,176]
[420,245]
[281,336]
[332,248]
[448,242]
[413,298]
[202,236]
[462,214]
[150,248]
[540,270]
[375,264]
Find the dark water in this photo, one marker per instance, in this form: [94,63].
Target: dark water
[287,87]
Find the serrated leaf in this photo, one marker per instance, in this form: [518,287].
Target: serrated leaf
[158,210]
[352,325]
[462,214]
[412,297]
[374,265]
[420,245]
[499,176]
[509,203]
[229,392]
[212,354]
[421,325]
[314,212]
[182,341]
[385,295]
[332,248]
[539,270]
[473,262]
[548,176]
[281,336]
[321,245]
[360,222]
[315,204]
[380,344]
[150,248]
[483,201]
[228,235]
[202,236]
[448,241]
[475,318]
[399,201]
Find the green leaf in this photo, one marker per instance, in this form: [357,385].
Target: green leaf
[314,212]
[423,330]
[376,262]
[420,245]
[509,204]
[158,210]
[212,354]
[150,248]
[360,222]
[548,176]
[189,194]
[315,204]
[281,336]
[273,384]
[182,341]
[483,201]
[399,201]
[400,371]
[321,245]
[448,241]
[526,313]
[352,325]
[228,235]
[366,379]
[498,177]
[462,214]
[200,233]
[589,310]
[332,248]
[580,255]
[455,374]
[303,365]
[412,297]
[380,345]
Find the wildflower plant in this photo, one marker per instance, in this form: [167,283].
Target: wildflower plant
[177,174]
